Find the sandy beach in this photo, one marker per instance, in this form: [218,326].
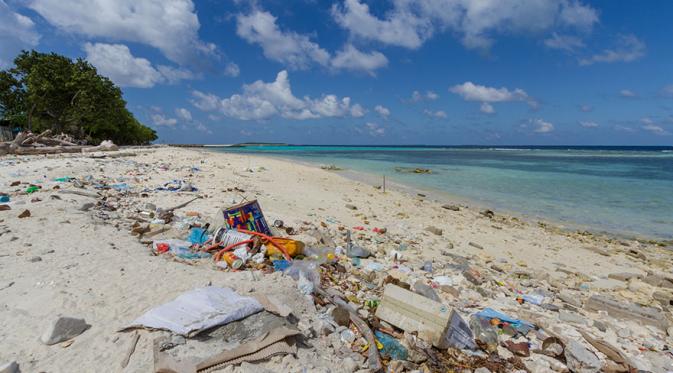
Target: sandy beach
[67,259]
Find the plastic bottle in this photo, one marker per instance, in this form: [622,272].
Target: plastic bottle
[485,333]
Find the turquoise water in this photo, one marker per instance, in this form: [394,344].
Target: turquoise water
[626,191]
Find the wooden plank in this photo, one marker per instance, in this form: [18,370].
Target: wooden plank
[412,312]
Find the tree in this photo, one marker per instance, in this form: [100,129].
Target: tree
[48,91]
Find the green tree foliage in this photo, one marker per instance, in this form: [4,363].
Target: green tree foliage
[48,91]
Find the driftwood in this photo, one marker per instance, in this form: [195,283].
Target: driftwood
[79,193]
[27,143]
[132,347]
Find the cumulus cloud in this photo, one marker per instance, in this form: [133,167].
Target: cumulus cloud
[374,129]
[161,120]
[488,95]
[627,93]
[17,32]
[439,114]
[565,43]
[588,124]
[261,100]
[292,49]
[297,51]
[350,58]
[410,23]
[184,114]
[383,111]
[232,70]
[417,96]
[628,48]
[117,63]
[171,26]
[542,126]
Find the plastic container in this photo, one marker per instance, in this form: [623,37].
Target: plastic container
[293,247]
[391,347]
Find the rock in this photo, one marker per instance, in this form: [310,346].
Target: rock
[656,280]
[64,328]
[323,328]
[600,325]
[24,214]
[628,311]
[341,316]
[425,290]
[482,370]
[434,230]
[570,298]
[35,259]
[348,365]
[623,333]
[488,213]
[87,206]
[351,207]
[11,367]
[474,276]
[5,207]
[580,359]
[451,207]
[572,317]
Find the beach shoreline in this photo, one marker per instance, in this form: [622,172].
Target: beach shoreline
[78,256]
[445,197]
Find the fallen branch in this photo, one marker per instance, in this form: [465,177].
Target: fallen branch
[182,204]
[32,138]
[132,348]
[374,358]
[79,193]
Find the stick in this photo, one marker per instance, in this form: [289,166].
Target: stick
[374,359]
[79,192]
[132,348]
[182,204]
[37,138]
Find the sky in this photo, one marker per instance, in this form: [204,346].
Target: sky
[435,72]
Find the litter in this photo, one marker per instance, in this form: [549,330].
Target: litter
[520,326]
[198,310]
[246,215]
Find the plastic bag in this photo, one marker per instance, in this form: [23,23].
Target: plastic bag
[391,347]
[307,269]
[319,254]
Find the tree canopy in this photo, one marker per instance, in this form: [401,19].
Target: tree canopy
[49,91]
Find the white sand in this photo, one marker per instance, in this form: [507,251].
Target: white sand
[96,271]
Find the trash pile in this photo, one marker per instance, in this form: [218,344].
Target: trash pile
[377,301]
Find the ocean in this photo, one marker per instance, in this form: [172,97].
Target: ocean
[626,191]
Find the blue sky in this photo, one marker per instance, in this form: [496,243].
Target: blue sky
[372,72]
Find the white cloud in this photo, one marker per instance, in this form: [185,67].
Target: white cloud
[174,75]
[357,111]
[410,23]
[383,111]
[488,95]
[417,96]
[350,58]
[486,108]
[16,33]
[667,91]
[565,43]
[184,114]
[588,124]
[542,126]
[168,25]
[439,114]
[655,129]
[117,63]
[586,108]
[202,128]
[205,101]
[289,48]
[297,51]
[627,93]
[161,120]
[261,100]
[627,49]
[374,129]
[622,128]
[649,125]
[232,70]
